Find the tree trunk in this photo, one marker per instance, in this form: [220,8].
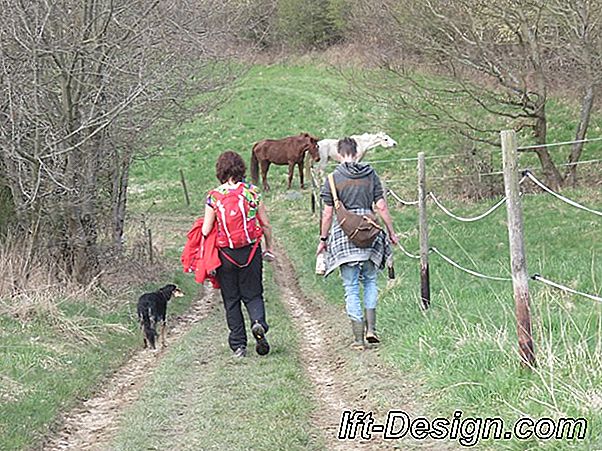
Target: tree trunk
[550,171]
[85,252]
[82,231]
[587,104]
[120,186]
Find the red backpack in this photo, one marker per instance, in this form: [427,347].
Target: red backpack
[235,228]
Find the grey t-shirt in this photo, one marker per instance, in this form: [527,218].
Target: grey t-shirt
[357,185]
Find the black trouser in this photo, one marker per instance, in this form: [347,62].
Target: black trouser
[241,284]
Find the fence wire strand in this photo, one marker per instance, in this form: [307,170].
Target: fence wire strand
[565,143]
[462,219]
[575,163]
[545,281]
[560,196]
[402,249]
[399,199]
[469,271]
[405,159]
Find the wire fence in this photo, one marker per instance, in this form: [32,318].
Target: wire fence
[558,144]
[547,189]
[408,254]
[512,199]
[463,219]
[466,270]
[400,200]
[543,280]
[404,159]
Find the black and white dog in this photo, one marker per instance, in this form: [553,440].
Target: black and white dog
[152,311]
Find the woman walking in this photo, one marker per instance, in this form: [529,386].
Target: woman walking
[236,209]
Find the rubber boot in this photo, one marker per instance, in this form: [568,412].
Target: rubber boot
[358,334]
[371,336]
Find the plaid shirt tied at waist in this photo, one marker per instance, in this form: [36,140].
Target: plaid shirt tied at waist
[341,250]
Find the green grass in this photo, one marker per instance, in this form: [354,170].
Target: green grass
[465,346]
[201,397]
[58,357]
[271,102]
[43,374]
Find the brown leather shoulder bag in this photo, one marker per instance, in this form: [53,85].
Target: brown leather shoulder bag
[360,229]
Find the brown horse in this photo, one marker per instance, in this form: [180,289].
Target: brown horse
[289,151]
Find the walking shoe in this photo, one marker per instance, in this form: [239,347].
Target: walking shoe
[240,352]
[262,347]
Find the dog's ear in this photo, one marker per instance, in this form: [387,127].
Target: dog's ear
[167,290]
[171,290]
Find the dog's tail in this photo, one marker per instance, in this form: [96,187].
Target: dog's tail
[149,332]
[254,166]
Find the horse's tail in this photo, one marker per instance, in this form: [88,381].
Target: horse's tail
[254,166]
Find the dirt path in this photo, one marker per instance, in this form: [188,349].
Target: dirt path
[345,379]
[329,390]
[342,379]
[91,426]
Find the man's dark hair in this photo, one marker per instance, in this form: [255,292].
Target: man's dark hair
[347,147]
[230,165]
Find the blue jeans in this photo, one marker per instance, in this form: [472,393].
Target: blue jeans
[352,274]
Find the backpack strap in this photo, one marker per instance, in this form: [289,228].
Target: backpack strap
[333,190]
[251,255]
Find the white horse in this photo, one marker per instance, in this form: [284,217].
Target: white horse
[328,147]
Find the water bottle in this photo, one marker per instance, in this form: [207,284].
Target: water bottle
[320,264]
[390,267]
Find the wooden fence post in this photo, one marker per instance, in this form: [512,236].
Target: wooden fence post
[425,287]
[518,260]
[150,245]
[307,165]
[309,178]
[183,180]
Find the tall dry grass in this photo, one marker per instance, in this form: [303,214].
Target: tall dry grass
[23,269]
[33,287]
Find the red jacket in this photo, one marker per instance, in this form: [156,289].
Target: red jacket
[200,254]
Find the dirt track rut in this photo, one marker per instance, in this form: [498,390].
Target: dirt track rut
[342,378]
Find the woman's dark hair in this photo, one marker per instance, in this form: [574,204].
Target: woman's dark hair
[230,165]
[347,147]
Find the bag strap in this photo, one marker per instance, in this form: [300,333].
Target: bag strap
[333,189]
[235,263]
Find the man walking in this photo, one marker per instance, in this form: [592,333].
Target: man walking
[359,189]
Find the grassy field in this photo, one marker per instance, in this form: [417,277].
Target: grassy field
[465,346]
[41,373]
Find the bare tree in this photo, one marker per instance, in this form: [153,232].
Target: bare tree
[500,58]
[580,49]
[86,85]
